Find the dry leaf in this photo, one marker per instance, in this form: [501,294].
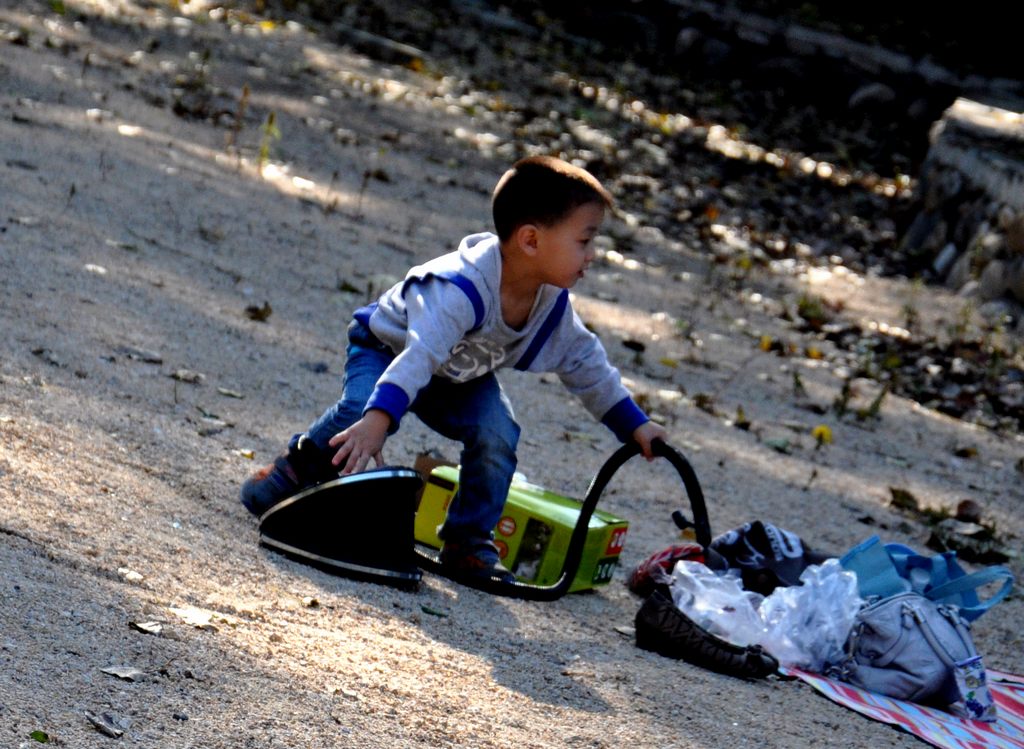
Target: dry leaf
[128,673]
[903,499]
[259,313]
[148,628]
[187,375]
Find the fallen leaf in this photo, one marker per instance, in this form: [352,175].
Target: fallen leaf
[903,499]
[129,574]
[433,612]
[259,313]
[202,618]
[247,454]
[187,375]
[571,436]
[126,246]
[780,446]
[705,402]
[148,628]
[105,724]
[128,673]
[212,234]
[230,393]
[140,354]
[48,356]
[41,736]
[198,618]
[208,415]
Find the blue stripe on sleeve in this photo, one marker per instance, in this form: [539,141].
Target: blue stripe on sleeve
[553,318]
[623,418]
[479,310]
[391,399]
[363,314]
[470,291]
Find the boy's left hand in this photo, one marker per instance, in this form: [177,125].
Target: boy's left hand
[361,442]
[646,433]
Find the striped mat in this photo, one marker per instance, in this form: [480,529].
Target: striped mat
[935,726]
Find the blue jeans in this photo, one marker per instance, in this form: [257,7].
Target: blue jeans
[476,413]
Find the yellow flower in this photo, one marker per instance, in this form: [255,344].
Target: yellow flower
[822,435]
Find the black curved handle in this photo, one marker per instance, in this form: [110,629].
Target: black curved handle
[574,553]
[701,524]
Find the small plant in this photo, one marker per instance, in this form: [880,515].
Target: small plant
[842,402]
[705,402]
[799,391]
[812,310]
[962,325]
[239,119]
[875,407]
[269,132]
[911,315]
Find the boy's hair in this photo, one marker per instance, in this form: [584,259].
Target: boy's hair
[542,190]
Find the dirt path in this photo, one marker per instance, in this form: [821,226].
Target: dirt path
[136,393]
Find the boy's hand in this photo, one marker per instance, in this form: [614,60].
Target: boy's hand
[361,442]
[646,433]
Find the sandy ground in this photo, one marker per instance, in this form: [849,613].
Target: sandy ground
[132,241]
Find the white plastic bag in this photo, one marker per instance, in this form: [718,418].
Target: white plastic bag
[718,603]
[804,625]
[807,625]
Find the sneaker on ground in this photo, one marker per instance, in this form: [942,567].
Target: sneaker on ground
[474,559]
[292,471]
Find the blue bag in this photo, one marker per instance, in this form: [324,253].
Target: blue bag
[894,568]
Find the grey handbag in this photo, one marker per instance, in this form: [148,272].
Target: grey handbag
[907,647]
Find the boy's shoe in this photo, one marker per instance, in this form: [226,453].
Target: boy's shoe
[297,468]
[477,558]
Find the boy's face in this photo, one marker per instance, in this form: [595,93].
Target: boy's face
[565,249]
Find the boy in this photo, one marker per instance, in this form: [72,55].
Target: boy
[431,343]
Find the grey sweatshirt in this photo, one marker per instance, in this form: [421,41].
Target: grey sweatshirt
[445,319]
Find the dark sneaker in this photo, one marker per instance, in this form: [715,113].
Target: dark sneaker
[474,559]
[292,471]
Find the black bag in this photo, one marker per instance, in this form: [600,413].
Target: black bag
[766,556]
[664,629]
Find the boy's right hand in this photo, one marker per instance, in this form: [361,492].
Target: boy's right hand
[361,442]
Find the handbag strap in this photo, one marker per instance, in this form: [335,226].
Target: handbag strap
[968,583]
[940,578]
